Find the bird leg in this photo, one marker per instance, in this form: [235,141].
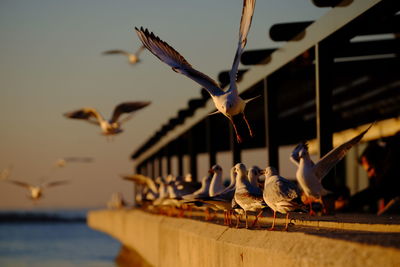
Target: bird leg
[248,125]
[245,214]
[237,220]
[287,222]
[273,223]
[238,138]
[256,220]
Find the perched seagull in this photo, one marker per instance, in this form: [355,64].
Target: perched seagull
[280,194]
[132,58]
[36,191]
[228,102]
[216,185]
[310,174]
[254,174]
[223,200]
[247,196]
[112,126]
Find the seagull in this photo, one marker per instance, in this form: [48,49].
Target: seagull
[5,173]
[247,196]
[223,200]
[132,58]
[310,174]
[63,161]
[216,185]
[112,126]
[254,174]
[36,191]
[280,194]
[148,186]
[228,102]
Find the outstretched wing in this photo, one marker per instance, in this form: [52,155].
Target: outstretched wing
[127,107]
[140,50]
[116,52]
[19,183]
[326,163]
[178,63]
[56,183]
[89,114]
[245,23]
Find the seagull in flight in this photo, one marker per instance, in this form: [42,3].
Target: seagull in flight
[132,58]
[228,102]
[310,174]
[36,191]
[108,127]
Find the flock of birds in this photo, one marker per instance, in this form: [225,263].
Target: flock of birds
[35,191]
[246,191]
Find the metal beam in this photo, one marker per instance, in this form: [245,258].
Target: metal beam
[323,96]
[192,155]
[212,154]
[235,147]
[271,121]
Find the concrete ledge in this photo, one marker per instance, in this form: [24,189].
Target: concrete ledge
[167,241]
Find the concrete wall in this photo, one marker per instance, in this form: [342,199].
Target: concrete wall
[167,241]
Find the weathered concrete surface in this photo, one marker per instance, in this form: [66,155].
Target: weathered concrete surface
[167,241]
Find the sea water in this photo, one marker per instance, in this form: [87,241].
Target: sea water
[54,243]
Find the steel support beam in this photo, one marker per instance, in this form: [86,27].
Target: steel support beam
[323,97]
[212,154]
[192,155]
[271,124]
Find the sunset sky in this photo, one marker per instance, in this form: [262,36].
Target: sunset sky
[51,63]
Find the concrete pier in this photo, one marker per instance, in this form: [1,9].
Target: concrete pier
[322,241]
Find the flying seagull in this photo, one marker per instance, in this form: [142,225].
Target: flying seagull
[228,102]
[310,174]
[112,126]
[36,191]
[132,58]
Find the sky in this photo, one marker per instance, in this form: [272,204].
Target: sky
[51,63]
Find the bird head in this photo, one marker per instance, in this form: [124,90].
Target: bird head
[270,171]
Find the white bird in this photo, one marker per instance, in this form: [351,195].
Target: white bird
[254,174]
[228,102]
[310,174]
[216,185]
[108,127]
[223,200]
[280,194]
[247,196]
[63,161]
[5,173]
[36,191]
[132,58]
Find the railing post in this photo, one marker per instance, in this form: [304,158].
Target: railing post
[271,124]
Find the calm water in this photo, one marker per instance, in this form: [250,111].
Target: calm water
[27,243]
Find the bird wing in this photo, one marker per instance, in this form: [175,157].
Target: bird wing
[56,183]
[116,52]
[178,63]
[19,183]
[140,50]
[127,107]
[89,114]
[245,23]
[326,163]
[295,157]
